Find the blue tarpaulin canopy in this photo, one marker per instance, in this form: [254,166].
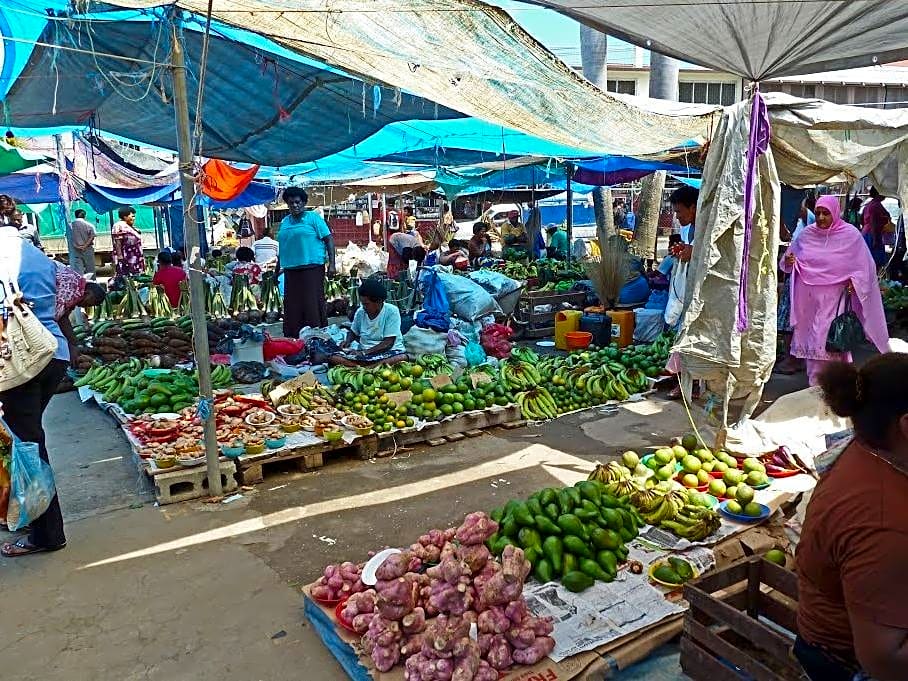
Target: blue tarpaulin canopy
[257,105]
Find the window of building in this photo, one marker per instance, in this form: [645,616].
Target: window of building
[838,94]
[723,94]
[805,90]
[895,97]
[623,87]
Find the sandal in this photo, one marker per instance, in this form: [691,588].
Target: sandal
[23,547]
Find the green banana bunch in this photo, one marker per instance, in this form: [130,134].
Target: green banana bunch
[537,404]
[158,302]
[693,523]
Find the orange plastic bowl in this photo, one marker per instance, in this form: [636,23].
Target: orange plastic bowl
[578,340]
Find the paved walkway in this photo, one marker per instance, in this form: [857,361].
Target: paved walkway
[199,592]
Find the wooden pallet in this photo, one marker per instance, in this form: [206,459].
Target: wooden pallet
[726,636]
[252,469]
[454,429]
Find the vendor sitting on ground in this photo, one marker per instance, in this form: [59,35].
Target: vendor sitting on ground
[375,330]
[479,247]
[636,287]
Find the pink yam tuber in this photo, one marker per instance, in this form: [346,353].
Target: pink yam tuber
[450,598]
[361,622]
[517,610]
[412,645]
[426,554]
[359,603]
[393,567]
[443,633]
[485,672]
[493,621]
[396,598]
[475,556]
[521,637]
[466,660]
[424,668]
[414,622]
[323,592]
[541,647]
[499,653]
[476,528]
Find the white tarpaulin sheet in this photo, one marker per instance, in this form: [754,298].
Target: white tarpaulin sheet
[465,55]
[812,141]
[755,40]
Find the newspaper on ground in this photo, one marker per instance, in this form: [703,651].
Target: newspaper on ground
[600,614]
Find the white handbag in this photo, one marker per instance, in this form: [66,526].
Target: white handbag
[26,345]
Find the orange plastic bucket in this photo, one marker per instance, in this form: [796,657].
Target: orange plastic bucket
[578,340]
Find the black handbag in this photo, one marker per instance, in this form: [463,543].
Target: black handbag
[846,334]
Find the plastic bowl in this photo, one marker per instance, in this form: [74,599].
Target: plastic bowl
[655,566]
[275,443]
[165,462]
[333,435]
[232,452]
[578,340]
[290,427]
[255,448]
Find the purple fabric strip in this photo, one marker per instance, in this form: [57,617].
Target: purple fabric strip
[600,178]
[757,145]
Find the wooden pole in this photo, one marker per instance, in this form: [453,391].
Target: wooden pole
[191,237]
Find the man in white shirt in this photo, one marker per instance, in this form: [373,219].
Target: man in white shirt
[83,239]
[266,249]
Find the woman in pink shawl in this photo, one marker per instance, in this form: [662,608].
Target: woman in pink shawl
[829,256]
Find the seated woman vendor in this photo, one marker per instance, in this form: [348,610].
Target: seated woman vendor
[375,330]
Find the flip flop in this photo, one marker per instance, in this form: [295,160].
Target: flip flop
[23,547]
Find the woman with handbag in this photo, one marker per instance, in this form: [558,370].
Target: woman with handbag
[33,359]
[833,287]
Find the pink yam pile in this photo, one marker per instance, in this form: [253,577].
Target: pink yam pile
[423,620]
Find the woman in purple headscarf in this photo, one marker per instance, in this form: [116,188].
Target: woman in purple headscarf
[829,257]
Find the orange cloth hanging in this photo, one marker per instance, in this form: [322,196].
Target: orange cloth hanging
[223,182]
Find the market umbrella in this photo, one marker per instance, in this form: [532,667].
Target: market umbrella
[14,159]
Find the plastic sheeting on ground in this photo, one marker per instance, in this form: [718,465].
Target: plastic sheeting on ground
[464,55]
[258,106]
[755,40]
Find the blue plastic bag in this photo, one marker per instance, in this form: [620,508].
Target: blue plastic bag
[474,354]
[32,485]
[435,314]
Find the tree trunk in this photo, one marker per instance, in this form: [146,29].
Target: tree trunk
[663,84]
[594,58]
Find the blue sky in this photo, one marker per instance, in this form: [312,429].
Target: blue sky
[559,33]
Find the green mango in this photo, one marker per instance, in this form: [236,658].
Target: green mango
[606,539]
[586,515]
[594,570]
[553,550]
[682,567]
[543,571]
[574,495]
[568,563]
[497,514]
[523,516]
[589,490]
[576,546]
[528,537]
[665,574]
[532,553]
[552,511]
[546,526]
[613,518]
[622,552]
[534,506]
[609,501]
[576,581]
[548,496]
[608,561]
[570,524]
[509,526]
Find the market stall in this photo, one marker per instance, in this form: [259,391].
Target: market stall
[614,598]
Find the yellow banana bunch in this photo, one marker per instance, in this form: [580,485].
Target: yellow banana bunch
[537,404]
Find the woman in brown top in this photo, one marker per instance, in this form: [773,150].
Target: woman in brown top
[853,554]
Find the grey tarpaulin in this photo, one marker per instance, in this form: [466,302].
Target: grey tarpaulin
[258,107]
[755,40]
[468,56]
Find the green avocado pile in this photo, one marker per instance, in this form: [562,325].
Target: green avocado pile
[575,535]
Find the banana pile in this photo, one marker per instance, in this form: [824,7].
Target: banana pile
[693,522]
[537,404]
[666,504]
[221,377]
[519,375]
[158,302]
[307,397]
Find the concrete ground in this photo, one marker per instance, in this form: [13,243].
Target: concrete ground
[201,592]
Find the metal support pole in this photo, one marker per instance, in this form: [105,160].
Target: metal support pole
[569,171]
[191,237]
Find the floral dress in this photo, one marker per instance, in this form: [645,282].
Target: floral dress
[131,260]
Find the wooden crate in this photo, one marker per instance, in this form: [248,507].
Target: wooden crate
[542,324]
[742,624]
